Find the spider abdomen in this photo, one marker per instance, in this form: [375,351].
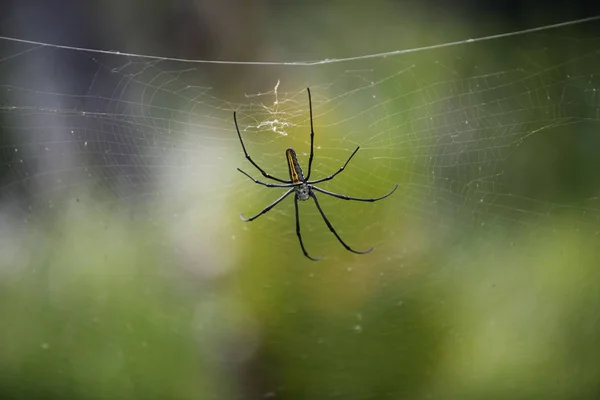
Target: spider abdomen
[296,175]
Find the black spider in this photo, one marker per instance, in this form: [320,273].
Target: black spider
[302,187]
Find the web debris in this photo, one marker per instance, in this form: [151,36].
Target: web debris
[277,124]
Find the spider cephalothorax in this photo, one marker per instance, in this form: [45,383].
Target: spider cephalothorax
[303,188]
[303,191]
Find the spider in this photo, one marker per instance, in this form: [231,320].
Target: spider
[302,187]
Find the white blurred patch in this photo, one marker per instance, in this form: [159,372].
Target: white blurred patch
[195,207]
[14,254]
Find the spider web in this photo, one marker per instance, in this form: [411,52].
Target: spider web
[142,131]
[492,141]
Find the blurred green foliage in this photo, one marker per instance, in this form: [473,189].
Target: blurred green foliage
[89,311]
[494,298]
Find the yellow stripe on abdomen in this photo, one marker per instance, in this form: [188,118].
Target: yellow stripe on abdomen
[296,175]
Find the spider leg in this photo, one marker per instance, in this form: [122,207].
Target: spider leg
[333,230]
[262,171]
[298,232]
[267,208]
[338,171]
[265,184]
[312,136]
[344,197]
